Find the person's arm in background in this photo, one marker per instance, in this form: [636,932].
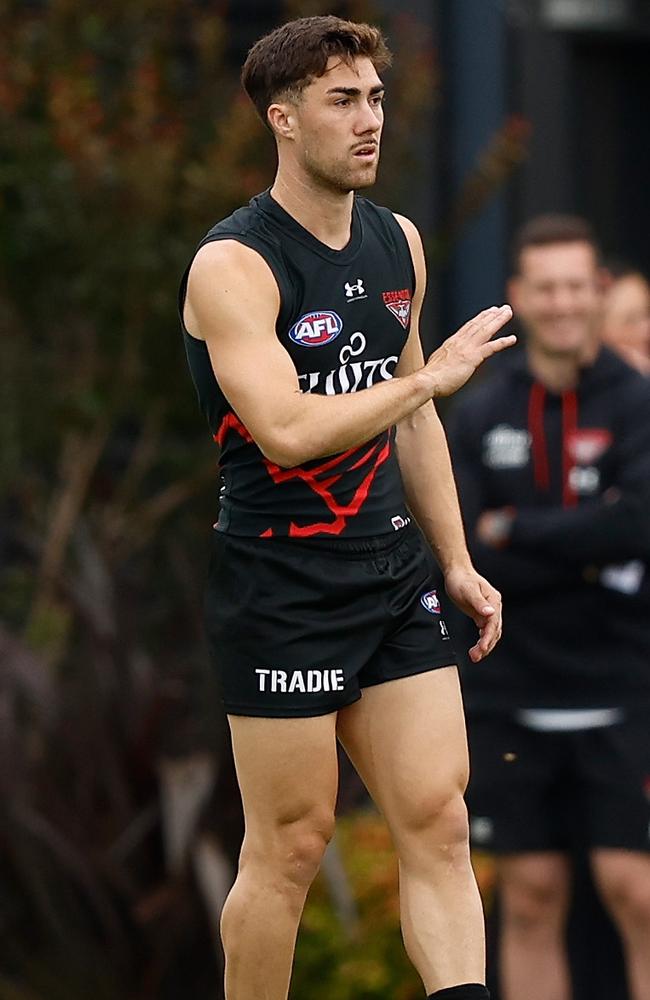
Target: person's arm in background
[429,484]
[514,572]
[614,527]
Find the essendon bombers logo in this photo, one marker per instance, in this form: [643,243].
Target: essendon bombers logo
[587,444]
[399,303]
[315,329]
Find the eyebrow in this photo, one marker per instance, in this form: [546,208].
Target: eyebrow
[355,91]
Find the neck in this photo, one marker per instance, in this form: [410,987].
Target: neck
[556,372]
[325,213]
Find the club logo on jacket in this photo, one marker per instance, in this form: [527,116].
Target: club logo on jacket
[399,304]
[586,445]
[506,447]
[315,329]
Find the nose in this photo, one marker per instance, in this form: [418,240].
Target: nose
[369,120]
[563,301]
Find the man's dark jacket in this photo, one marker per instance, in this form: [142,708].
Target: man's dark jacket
[575,571]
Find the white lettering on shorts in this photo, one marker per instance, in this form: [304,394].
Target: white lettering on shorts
[311,681]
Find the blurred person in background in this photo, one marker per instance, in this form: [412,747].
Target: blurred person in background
[322,615]
[552,460]
[626,316]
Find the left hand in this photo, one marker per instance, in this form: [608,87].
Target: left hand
[481,602]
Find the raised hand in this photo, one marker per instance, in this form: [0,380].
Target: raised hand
[457,359]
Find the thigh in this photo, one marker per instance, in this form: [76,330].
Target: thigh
[407,740]
[287,772]
[615,763]
[519,786]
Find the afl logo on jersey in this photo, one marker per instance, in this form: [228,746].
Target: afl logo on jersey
[316,329]
[430,602]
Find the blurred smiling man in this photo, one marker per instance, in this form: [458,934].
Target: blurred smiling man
[552,457]
[300,316]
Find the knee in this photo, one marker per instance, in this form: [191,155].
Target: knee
[534,902]
[626,892]
[437,821]
[303,846]
[293,851]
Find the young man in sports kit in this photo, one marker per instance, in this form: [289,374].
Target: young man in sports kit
[552,456]
[300,316]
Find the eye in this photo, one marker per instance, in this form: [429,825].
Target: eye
[343,103]
[378,99]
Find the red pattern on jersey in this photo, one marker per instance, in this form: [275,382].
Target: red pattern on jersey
[232,422]
[377,454]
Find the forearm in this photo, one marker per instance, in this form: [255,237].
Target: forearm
[522,573]
[314,426]
[599,531]
[430,488]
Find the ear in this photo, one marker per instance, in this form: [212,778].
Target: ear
[282,119]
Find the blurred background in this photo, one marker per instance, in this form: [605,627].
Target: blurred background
[123,137]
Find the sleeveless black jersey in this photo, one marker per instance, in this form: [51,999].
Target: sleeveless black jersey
[344,319]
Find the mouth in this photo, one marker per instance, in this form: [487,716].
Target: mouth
[366,152]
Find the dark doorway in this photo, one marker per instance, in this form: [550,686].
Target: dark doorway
[612,143]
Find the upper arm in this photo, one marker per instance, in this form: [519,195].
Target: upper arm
[412,357]
[232,304]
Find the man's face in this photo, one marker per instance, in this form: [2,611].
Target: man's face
[557,296]
[339,119]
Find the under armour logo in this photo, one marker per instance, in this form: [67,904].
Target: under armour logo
[355,291]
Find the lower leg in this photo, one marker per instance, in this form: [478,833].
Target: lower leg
[534,902]
[623,879]
[533,963]
[392,736]
[636,943]
[260,920]
[441,911]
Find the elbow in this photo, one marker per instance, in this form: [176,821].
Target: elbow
[283,451]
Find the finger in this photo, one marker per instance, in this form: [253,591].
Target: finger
[492,324]
[489,636]
[498,345]
[477,321]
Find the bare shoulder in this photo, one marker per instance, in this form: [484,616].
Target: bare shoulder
[225,261]
[410,229]
[414,241]
[227,281]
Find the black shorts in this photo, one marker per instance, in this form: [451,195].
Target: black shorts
[548,791]
[298,628]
